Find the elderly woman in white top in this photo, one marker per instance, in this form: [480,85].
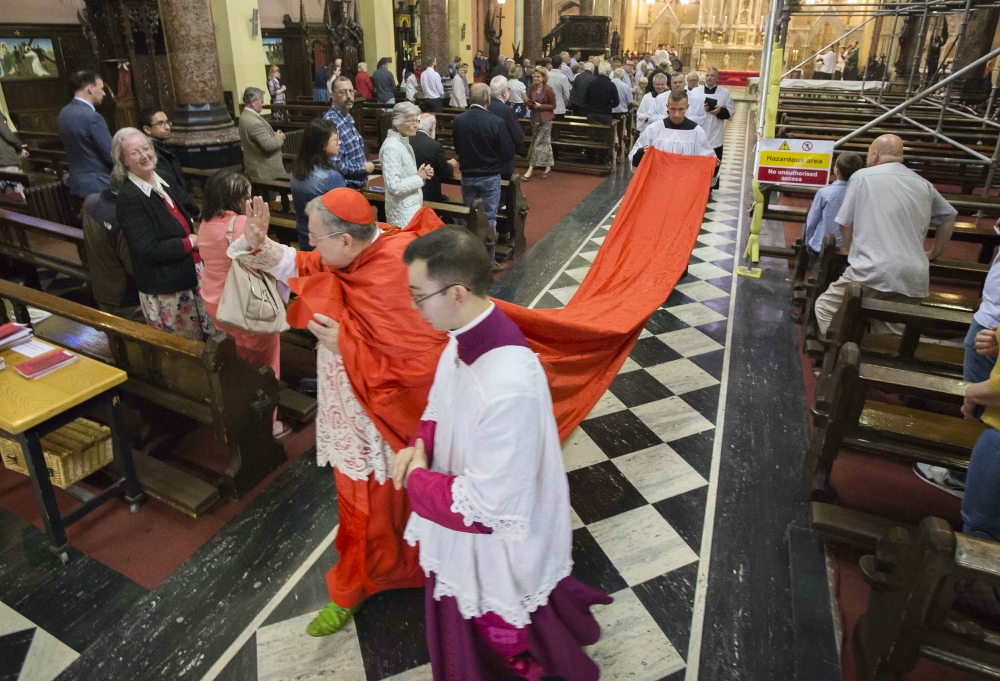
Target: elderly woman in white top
[404,181]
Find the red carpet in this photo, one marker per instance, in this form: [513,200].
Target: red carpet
[147,546]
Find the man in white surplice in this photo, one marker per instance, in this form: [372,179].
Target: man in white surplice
[676,133]
[487,485]
[719,107]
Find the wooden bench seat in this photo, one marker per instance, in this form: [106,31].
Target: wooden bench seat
[207,382]
[918,578]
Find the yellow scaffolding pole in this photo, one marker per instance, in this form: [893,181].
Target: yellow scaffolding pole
[752,251]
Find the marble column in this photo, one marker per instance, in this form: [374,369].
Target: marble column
[978,40]
[586,8]
[200,117]
[434,33]
[532,46]
[519,25]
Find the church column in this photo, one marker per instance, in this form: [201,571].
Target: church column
[241,53]
[586,8]
[532,29]
[434,33]
[376,22]
[200,118]
[978,40]
[519,25]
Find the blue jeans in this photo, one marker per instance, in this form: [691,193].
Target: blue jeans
[321,94]
[486,188]
[981,505]
[976,367]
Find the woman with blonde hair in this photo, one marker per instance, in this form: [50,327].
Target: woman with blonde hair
[517,89]
[164,248]
[404,181]
[542,103]
[277,91]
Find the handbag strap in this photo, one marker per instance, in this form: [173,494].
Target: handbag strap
[229,232]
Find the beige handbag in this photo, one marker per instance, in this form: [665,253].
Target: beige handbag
[250,299]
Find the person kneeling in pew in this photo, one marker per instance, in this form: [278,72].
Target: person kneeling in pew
[884,220]
[826,204]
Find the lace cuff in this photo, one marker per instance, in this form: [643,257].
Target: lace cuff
[513,528]
[268,256]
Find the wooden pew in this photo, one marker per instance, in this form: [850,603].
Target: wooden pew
[207,382]
[844,417]
[923,603]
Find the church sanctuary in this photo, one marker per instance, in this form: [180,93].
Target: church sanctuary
[499,340]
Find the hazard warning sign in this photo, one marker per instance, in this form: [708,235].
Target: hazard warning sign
[794,161]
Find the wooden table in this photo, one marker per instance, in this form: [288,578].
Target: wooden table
[30,409]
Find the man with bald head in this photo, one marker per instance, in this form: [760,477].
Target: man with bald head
[884,219]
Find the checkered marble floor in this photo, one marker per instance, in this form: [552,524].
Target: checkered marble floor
[638,469]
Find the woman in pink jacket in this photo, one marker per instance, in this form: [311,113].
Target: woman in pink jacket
[225,196]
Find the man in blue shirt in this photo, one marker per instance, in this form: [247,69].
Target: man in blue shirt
[823,212]
[350,160]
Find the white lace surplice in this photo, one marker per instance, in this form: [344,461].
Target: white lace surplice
[346,437]
[510,478]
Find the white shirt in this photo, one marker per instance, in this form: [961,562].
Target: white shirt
[567,71]
[88,103]
[511,480]
[650,110]
[660,54]
[829,62]
[988,314]
[430,83]
[624,96]
[889,207]
[403,187]
[560,85]
[696,105]
[686,142]
[715,126]
[148,189]
[411,87]
[517,91]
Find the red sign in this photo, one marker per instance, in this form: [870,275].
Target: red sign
[792,175]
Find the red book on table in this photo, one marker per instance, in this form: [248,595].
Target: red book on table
[10,328]
[45,364]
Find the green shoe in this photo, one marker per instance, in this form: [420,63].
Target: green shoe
[330,620]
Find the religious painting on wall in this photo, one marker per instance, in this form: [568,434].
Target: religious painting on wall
[274,52]
[23,58]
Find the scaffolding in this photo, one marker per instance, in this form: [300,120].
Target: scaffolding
[894,95]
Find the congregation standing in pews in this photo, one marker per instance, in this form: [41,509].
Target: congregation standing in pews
[410,81]
[384,81]
[313,172]
[561,88]
[363,82]
[460,88]
[624,94]
[163,245]
[516,91]
[404,179]
[156,126]
[602,96]
[428,151]
[351,161]
[85,136]
[261,143]
[430,83]
[884,219]
[499,93]
[485,150]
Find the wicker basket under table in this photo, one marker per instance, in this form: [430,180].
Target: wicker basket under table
[71,453]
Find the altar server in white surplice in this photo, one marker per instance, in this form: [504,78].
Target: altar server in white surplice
[676,133]
[651,109]
[488,489]
[715,116]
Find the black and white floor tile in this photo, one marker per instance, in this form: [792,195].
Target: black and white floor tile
[28,652]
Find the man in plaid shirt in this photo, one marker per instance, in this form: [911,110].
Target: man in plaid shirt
[351,161]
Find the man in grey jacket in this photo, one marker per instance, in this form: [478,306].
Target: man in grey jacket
[261,144]
[11,151]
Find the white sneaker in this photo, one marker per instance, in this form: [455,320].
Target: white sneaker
[942,478]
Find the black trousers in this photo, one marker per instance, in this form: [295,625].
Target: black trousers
[820,75]
[718,152]
[433,104]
